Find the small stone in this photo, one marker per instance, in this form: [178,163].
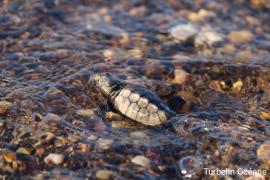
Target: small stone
[237,86]
[123,124]
[84,147]
[113,116]
[45,138]
[207,37]
[138,135]
[72,138]
[206,14]
[4,106]
[260,3]
[56,159]
[141,160]
[109,54]
[138,53]
[9,156]
[23,150]
[183,32]
[105,174]
[51,117]
[115,54]
[138,11]
[104,143]
[59,142]
[14,164]
[265,115]
[85,112]
[201,16]
[62,52]
[252,20]
[194,17]
[2,124]
[92,137]
[180,76]
[53,92]
[263,152]
[240,37]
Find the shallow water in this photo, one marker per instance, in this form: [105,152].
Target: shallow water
[49,49]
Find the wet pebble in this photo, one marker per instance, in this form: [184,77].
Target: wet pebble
[141,161]
[237,86]
[54,158]
[115,54]
[183,32]
[113,116]
[104,143]
[180,76]
[240,37]
[92,137]
[4,106]
[206,14]
[85,112]
[264,115]
[138,135]
[23,150]
[84,147]
[207,38]
[105,174]
[124,124]
[9,156]
[201,15]
[44,138]
[2,124]
[263,152]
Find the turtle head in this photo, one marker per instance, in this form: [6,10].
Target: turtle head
[105,82]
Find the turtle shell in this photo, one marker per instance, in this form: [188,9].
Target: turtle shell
[142,105]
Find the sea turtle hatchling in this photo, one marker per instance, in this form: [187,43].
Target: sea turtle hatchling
[134,101]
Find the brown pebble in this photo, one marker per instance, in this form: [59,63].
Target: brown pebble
[9,156]
[237,86]
[23,150]
[104,174]
[4,106]
[84,147]
[263,152]
[85,112]
[180,76]
[113,116]
[240,37]
[265,115]
[54,158]
[141,160]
